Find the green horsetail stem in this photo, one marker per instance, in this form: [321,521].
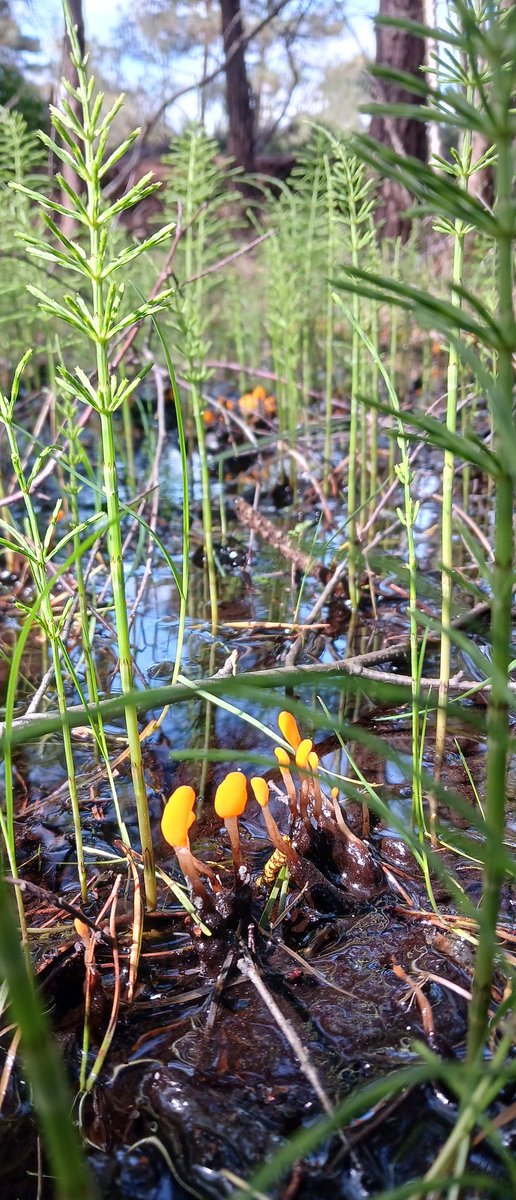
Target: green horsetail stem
[52,1100]
[504,81]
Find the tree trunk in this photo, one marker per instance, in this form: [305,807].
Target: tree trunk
[239,100]
[70,74]
[404,51]
[433,129]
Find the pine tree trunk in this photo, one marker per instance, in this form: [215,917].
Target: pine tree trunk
[239,98]
[406,52]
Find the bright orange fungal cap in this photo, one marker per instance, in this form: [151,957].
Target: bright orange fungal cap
[178,816]
[303,751]
[260,790]
[282,756]
[231,795]
[289,729]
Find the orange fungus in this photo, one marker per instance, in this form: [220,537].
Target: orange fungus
[178,816]
[231,795]
[289,729]
[303,752]
[260,790]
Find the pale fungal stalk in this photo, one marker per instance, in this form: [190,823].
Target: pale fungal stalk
[313,763]
[284,766]
[343,826]
[302,755]
[230,802]
[178,818]
[260,789]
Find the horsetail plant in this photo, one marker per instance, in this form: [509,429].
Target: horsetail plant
[36,549]
[198,187]
[355,202]
[485,35]
[407,516]
[87,622]
[462,168]
[82,145]
[329,336]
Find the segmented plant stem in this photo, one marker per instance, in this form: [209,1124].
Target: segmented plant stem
[40,579]
[352,458]
[452,381]
[452,387]
[501,609]
[91,677]
[42,1064]
[110,477]
[354,197]
[328,388]
[124,652]
[207,516]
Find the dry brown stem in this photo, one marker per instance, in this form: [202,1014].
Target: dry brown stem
[275,537]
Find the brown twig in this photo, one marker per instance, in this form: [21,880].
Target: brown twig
[327,591]
[423,1004]
[248,970]
[276,538]
[222,364]
[224,262]
[137,927]
[108,1036]
[284,448]
[57,902]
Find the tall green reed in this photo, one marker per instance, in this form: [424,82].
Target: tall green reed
[36,548]
[462,168]
[407,515]
[51,1097]
[330,330]
[284,307]
[485,36]
[355,201]
[82,145]
[75,458]
[198,189]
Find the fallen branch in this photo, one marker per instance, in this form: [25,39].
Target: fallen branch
[278,539]
[248,970]
[28,728]
[326,593]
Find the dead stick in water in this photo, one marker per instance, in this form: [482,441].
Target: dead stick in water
[275,537]
[248,970]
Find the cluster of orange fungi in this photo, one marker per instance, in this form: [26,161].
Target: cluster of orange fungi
[253,406]
[305,804]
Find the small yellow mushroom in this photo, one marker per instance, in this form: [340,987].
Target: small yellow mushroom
[302,754]
[284,766]
[230,802]
[178,818]
[313,763]
[260,789]
[289,729]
